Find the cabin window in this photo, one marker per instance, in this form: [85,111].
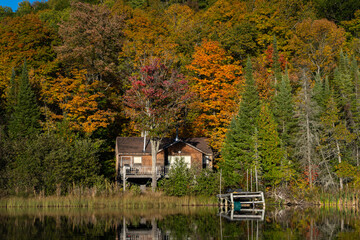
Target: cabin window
[137,160]
[206,161]
[173,159]
[125,161]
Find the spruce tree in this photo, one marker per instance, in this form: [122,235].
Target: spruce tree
[272,155]
[321,91]
[284,112]
[238,150]
[355,75]
[346,86]
[335,136]
[24,121]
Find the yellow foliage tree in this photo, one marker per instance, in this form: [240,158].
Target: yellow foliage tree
[146,36]
[317,43]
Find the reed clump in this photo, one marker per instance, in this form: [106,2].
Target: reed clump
[341,199]
[104,196]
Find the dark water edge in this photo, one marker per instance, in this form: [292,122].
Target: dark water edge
[177,223]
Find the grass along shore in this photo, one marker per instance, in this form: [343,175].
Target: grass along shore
[128,201]
[159,200]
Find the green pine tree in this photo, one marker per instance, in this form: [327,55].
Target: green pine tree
[355,74]
[343,84]
[238,150]
[335,135]
[284,111]
[346,87]
[24,121]
[321,91]
[272,156]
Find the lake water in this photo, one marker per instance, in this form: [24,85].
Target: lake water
[178,223]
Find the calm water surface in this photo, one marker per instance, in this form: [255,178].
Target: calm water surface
[180,223]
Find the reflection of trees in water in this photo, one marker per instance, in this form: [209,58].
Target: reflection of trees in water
[307,223]
[313,223]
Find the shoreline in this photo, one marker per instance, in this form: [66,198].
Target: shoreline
[158,200]
[127,201]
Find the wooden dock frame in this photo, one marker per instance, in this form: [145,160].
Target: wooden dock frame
[243,214]
[247,199]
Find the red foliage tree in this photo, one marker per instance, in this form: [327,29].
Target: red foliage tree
[155,100]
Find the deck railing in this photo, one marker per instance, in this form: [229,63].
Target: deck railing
[146,170]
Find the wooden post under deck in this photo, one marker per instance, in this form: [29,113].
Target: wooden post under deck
[124,178]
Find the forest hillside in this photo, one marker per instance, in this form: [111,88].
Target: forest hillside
[274,85]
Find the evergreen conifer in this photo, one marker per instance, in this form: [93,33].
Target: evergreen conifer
[272,155]
[24,121]
[284,111]
[238,150]
[335,135]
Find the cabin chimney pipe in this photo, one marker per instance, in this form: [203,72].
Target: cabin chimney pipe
[144,141]
[177,134]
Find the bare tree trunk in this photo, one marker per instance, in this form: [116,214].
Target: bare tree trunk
[257,157]
[339,158]
[308,149]
[325,163]
[357,155]
[308,136]
[155,143]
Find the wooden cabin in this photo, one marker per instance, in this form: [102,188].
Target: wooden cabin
[134,153]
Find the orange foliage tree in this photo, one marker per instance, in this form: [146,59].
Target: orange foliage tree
[266,71]
[79,102]
[24,38]
[216,82]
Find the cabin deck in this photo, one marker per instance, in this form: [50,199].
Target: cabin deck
[143,172]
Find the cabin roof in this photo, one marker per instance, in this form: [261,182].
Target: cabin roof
[134,145]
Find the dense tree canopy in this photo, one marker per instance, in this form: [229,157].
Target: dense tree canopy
[91,76]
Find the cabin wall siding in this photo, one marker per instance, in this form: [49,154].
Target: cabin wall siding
[182,149]
[178,149]
[146,159]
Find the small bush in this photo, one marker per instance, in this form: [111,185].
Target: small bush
[206,183]
[184,181]
[178,183]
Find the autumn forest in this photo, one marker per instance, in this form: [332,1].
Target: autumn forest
[274,85]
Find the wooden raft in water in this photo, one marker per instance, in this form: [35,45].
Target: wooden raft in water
[247,199]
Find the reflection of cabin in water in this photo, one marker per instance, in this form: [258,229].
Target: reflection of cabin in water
[134,153]
[144,230]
